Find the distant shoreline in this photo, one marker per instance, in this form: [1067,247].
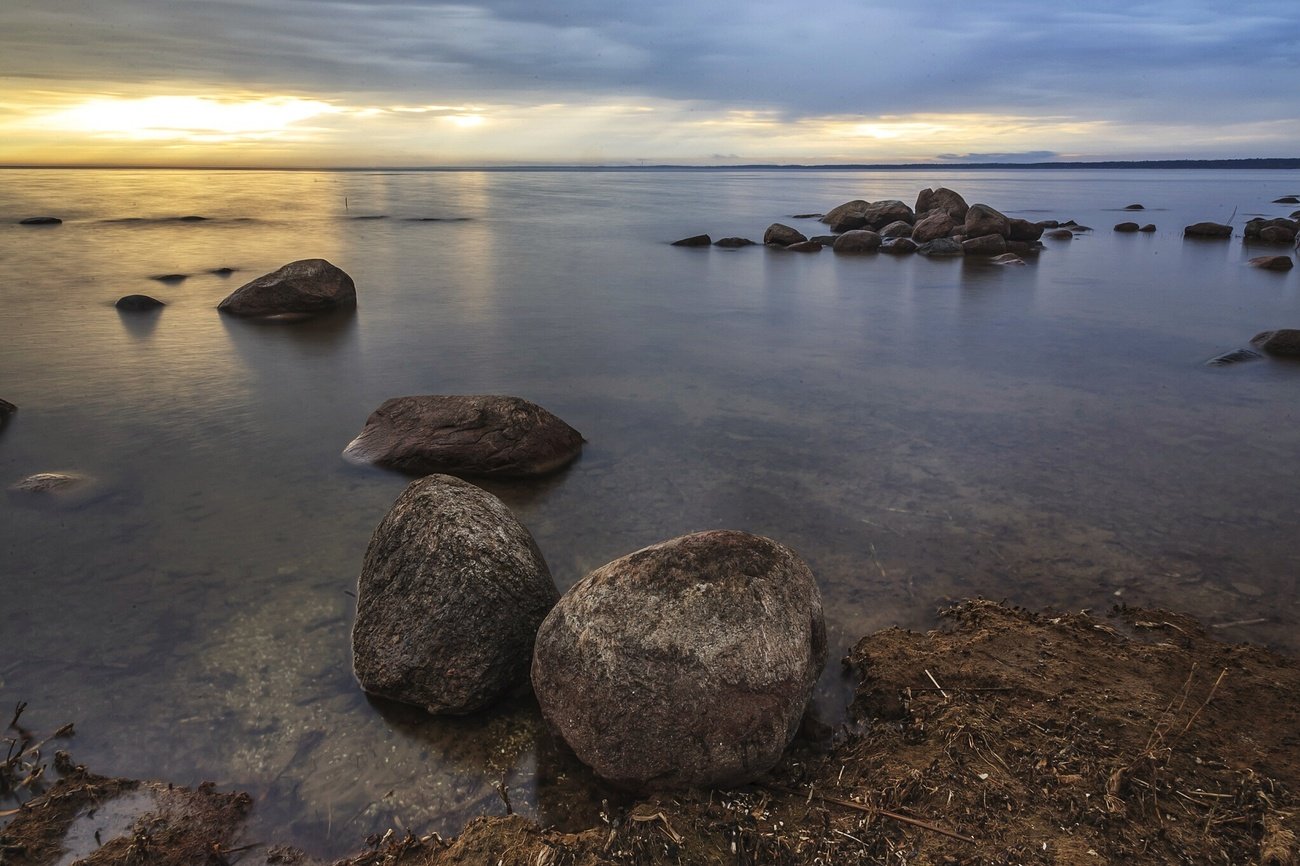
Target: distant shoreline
[1280,163]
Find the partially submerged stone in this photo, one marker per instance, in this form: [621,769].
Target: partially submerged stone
[939,224]
[1127,227]
[40,221]
[983,220]
[465,435]
[985,245]
[1283,341]
[733,243]
[694,241]
[1134,207]
[1007,259]
[1272,263]
[1236,356]
[687,663]
[51,483]
[136,303]
[805,247]
[306,286]
[781,235]
[449,600]
[6,409]
[941,248]
[857,241]
[1208,230]
[1148,228]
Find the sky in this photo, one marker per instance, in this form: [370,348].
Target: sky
[313,83]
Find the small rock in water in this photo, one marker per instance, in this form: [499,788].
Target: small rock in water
[191,219]
[806,216]
[465,435]
[1059,234]
[40,221]
[824,240]
[1126,228]
[1287,199]
[1024,230]
[693,241]
[449,600]
[782,235]
[985,245]
[805,247]
[1148,228]
[1208,230]
[1273,263]
[1134,207]
[687,663]
[941,248]
[6,409]
[170,278]
[733,243]
[1007,259]
[306,286]
[1236,356]
[69,488]
[1283,341]
[222,272]
[899,245]
[138,302]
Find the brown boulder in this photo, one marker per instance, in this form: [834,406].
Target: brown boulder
[942,199]
[465,435]
[937,225]
[1060,235]
[846,211]
[449,599]
[1273,263]
[1126,228]
[733,243]
[941,248]
[1023,230]
[1276,235]
[857,241]
[985,245]
[1208,230]
[781,235]
[1283,341]
[805,247]
[984,220]
[881,213]
[688,663]
[1148,228]
[302,287]
[897,229]
[899,245]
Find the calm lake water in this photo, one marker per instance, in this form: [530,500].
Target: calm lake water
[918,430]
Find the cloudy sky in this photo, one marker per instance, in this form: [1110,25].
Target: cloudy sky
[417,82]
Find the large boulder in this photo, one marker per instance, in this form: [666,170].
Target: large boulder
[985,245]
[449,600]
[942,199]
[881,213]
[939,224]
[897,229]
[688,663]
[465,435]
[984,220]
[1283,341]
[898,246]
[1277,235]
[299,288]
[1208,230]
[781,235]
[1023,230]
[1272,263]
[857,241]
[847,212]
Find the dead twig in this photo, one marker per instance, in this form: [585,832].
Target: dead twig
[884,813]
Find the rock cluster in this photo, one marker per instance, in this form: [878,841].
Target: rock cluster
[1271,231]
[449,600]
[689,662]
[304,287]
[490,435]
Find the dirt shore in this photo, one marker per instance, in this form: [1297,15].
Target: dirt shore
[1004,737]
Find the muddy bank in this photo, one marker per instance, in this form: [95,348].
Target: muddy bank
[1005,736]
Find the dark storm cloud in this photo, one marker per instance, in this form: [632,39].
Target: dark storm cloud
[1189,62]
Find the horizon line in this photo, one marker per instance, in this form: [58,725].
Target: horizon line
[1280,163]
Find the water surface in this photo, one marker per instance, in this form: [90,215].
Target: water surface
[918,430]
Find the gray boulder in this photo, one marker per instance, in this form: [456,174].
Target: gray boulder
[942,199]
[1283,341]
[303,287]
[941,248]
[857,241]
[688,663]
[450,596]
[465,435]
[983,220]
[938,224]
[782,235]
[985,245]
[1208,230]
[1272,263]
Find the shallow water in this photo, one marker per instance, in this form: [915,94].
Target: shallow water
[918,430]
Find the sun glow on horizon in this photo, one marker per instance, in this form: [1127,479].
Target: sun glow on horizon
[186,118]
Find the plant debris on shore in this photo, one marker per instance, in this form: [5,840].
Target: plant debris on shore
[1004,737]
